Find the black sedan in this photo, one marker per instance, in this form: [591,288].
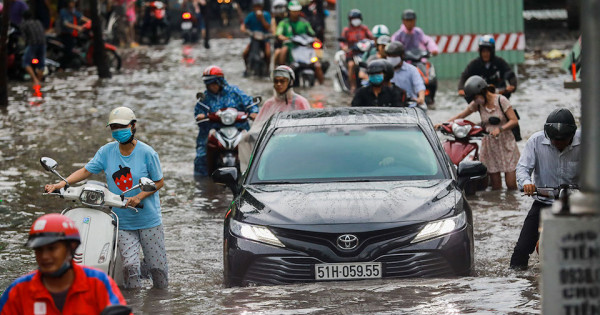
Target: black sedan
[347,193]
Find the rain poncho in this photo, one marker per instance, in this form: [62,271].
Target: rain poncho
[278,103]
[230,96]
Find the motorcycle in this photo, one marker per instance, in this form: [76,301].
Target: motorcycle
[222,142]
[464,145]
[342,73]
[15,50]
[306,52]
[98,225]
[257,64]
[420,59]
[155,25]
[189,29]
[83,52]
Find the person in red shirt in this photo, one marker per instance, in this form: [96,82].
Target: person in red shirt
[352,34]
[59,286]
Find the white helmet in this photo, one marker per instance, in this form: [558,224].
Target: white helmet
[380,30]
[279,6]
[121,115]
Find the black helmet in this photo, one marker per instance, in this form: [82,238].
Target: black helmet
[376,66]
[560,125]
[395,49]
[388,74]
[473,86]
[409,14]
[354,14]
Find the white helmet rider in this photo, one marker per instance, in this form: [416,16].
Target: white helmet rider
[121,115]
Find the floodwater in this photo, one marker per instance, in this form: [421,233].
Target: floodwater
[160,84]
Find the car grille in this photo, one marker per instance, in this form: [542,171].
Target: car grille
[396,237]
[285,270]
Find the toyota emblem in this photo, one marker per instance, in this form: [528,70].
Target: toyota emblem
[347,241]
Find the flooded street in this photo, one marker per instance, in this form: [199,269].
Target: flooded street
[159,84]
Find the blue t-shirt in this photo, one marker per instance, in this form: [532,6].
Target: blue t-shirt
[67,16]
[253,24]
[122,173]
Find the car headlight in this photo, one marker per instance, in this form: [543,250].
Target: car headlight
[228,117]
[254,232]
[460,131]
[441,227]
[92,197]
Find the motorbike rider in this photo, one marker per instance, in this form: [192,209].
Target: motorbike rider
[35,38]
[382,38]
[376,93]
[59,285]
[492,68]
[406,76]
[287,28]
[124,162]
[284,99]
[257,21]
[352,34]
[278,13]
[413,36]
[71,21]
[218,95]
[553,156]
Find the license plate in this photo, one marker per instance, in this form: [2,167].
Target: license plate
[186,26]
[348,271]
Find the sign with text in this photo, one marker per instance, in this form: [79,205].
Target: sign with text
[570,250]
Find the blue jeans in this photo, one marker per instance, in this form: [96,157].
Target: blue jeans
[34,51]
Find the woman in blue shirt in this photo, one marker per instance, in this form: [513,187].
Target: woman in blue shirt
[124,162]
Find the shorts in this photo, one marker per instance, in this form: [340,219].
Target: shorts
[34,52]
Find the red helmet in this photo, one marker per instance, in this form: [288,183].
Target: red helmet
[51,228]
[212,74]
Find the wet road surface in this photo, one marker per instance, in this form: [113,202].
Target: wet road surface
[160,84]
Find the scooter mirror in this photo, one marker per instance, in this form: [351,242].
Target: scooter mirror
[116,310]
[48,163]
[147,184]
[200,96]
[257,99]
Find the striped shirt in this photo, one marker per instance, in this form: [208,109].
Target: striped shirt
[33,31]
[550,167]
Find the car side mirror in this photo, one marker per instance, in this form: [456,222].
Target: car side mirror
[227,176]
[49,164]
[362,64]
[469,171]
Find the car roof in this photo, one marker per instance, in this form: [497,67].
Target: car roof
[349,115]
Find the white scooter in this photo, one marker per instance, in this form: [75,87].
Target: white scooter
[98,225]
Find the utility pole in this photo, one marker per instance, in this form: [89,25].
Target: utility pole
[4,53]
[571,241]
[99,55]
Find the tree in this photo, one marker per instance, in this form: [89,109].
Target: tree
[4,53]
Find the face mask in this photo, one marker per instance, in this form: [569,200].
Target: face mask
[122,135]
[394,60]
[376,79]
[479,101]
[355,22]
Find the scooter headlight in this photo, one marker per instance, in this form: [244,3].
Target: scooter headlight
[314,59]
[254,232]
[228,116]
[460,131]
[92,197]
[438,228]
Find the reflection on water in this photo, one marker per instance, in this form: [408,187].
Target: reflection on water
[160,84]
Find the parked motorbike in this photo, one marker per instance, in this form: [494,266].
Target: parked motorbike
[420,59]
[83,51]
[155,25]
[189,28]
[98,225]
[15,50]
[257,64]
[464,145]
[342,73]
[222,142]
[306,52]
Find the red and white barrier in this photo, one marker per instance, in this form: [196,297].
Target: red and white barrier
[449,44]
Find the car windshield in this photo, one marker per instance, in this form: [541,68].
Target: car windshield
[346,153]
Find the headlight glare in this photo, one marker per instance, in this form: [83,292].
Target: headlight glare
[254,232]
[441,227]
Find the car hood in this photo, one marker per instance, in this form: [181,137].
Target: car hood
[348,203]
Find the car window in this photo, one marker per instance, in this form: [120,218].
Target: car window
[338,153]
